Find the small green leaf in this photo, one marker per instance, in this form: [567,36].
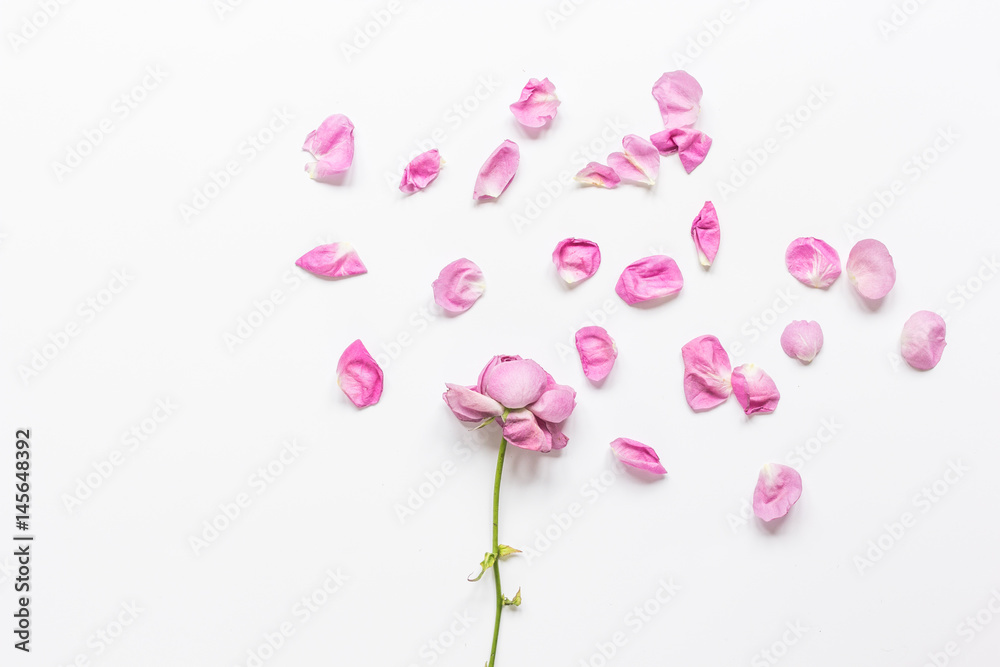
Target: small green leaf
[488,561]
[507,551]
[516,602]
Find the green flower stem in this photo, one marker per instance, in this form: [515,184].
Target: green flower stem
[496,547]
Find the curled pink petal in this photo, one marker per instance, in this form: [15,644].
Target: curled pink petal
[576,259]
[778,488]
[706,234]
[332,144]
[692,145]
[469,405]
[359,376]
[649,278]
[538,104]
[812,262]
[521,429]
[802,340]
[556,438]
[554,405]
[634,453]
[870,269]
[679,96]
[497,172]
[754,389]
[458,286]
[706,373]
[923,340]
[516,384]
[421,171]
[639,163]
[597,174]
[597,352]
[334,260]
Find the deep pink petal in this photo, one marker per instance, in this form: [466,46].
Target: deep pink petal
[334,260]
[458,286]
[692,145]
[754,389]
[469,405]
[332,144]
[812,262]
[497,172]
[679,96]
[359,376]
[556,438]
[802,340]
[694,152]
[706,373]
[516,383]
[597,352]
[538,104]
[923,340]
[638,455]
[576,259]
[421,171]
[778,488]
[597,174]
[521,429]
[870,269]
[554,405]
[640,162]
[706,234]
[649,278]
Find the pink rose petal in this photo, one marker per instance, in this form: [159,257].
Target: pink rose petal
[516,384]
[359,376]
[521,429]
[692,145]
[334,260]
[469,405]
[706,373]
[923,340]
[538,104]
[706,234]
[597,352]
[638,455]
[812,262]
[497,172]
[870,269]
[639,163]
[802,340]
[649,278]
[598,174]
[554,405]
[458,286]
[778,488]
[576,259]
[332,144]
[754,389]
[679,96]
[421,171]
[495,361]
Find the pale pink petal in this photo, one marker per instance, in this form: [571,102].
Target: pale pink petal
[638,455]
[323,171]
[639,163]
[497,172]
[597,174]
[516,383]
[812,262]
[576,259]
[778,488]
[870,269]
[706,234]
[754,389]
[469,405]
[332,144]
[421,171]
[649,278]
[597,352]
[679,96]
[521,429]
[498,359]
[334,260]
[458,286]
[538,104]
[802,340]
[359,376]
[923,340]
[706,373]
[692,145]
[554,405]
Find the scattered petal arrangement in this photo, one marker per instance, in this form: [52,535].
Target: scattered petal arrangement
[517,394]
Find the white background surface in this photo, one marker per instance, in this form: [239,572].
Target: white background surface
[335,506]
